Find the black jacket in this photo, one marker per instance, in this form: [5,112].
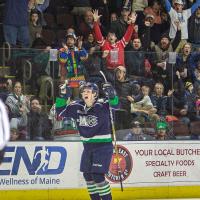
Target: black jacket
[39,126]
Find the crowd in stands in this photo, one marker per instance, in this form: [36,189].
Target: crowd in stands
[131,41]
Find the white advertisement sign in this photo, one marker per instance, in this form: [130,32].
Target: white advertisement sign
[157,163]
[41,165]
[55,165]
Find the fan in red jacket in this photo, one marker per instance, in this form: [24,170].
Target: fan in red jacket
[113,50]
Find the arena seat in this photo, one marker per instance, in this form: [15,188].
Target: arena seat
[49,36]
[60,34]
[180,130]
[195,128]
[50,20]
[62,9]
[120,134]
[65,20]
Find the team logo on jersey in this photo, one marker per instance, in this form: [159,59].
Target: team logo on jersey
[122,164]
[88,121]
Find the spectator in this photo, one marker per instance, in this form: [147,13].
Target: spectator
[198,108]
[15,23]
[86,26]
[177,13]
[113,17]
[182,72]
[197,77]
[155,11]
[155,30]
[90,42]
[60,41]
[34,25]
[127,90]
[113,50]
[194,30]
[93,65]
[138,6]
[161,130]
[40,6]
[41,71]
[136,133]
[190,97]
[120,26]
[159,100]
[14,134]
[176,101]
[18,106]
[71,59]
[162,71]
[189,59]
[5,88]
[136,58]
[143,108]
[39,126]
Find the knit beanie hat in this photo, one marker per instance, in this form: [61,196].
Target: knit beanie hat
[188,84]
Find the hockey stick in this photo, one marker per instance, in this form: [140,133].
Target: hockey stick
[114,138]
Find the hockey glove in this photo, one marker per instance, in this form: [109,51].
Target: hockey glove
[65,91]
[109,90]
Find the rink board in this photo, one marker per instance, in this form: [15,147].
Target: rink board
[50,170]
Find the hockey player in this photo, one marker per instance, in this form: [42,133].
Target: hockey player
[94,124]
[4,129]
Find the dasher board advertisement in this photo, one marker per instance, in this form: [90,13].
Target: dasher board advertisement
[55,165]
[41,165]
[157,163]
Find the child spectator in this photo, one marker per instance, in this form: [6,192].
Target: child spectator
[159,100]
[14,134]
[144,108]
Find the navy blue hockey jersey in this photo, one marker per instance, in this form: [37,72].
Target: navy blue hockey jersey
[93,123]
